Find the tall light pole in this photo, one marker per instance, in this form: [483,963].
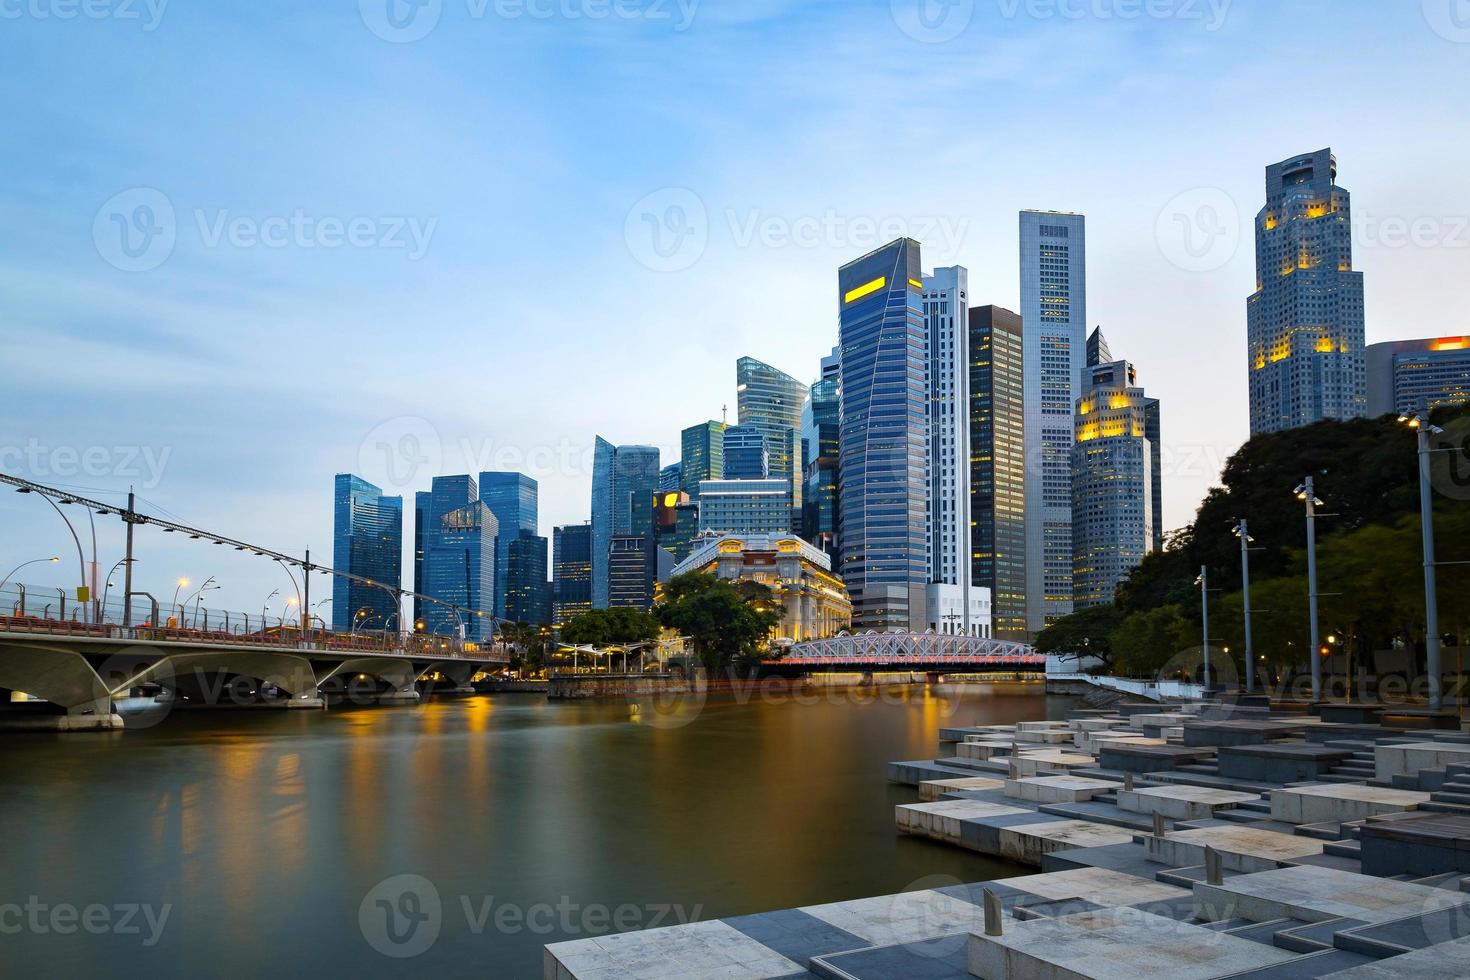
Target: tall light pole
[1204,600]
[1242,531]
[1308,495]
[35,561]
[1424,429]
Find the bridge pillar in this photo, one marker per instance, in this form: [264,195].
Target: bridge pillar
[933,677]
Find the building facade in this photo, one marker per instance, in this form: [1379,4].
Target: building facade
[526,595]
[1054,326]
[747,453]
[1305,320]
[998,466]
[513,499]
[367,541]
[670,477]
[571,572]
[814,603]
[459,561]
[632,571]
[948,527]
[624,481]
[882,497]
[745,506]
[1116,510]
[771,400]
[1409,376]
[675,524]
[703,456]
[947,611]
[821,447]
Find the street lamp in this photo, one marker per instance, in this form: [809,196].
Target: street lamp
[1307,493]
[1204,600]
[35,561]
[180,586]
[1242,531]
[1423,428]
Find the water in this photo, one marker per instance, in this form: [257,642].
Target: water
[263,832]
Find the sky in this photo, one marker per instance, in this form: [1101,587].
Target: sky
[247,246]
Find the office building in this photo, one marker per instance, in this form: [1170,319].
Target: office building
[670,477]
[1054,327]
[948,526]
[1408,376]
[747,453]
[420,510]
[745,506]
[771,400]
[1116,510]
[624,481]
[571,572]
[881,495]
[458,569]
[526,595]
[821,446]
[633,571]
[513,499]
[675,523]
[367,541]
[1305,319]
[703,449]
[998,467]
[814,603]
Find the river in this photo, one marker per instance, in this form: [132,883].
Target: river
[257,843]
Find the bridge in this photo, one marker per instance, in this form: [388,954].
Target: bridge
[933,653]
[83,656]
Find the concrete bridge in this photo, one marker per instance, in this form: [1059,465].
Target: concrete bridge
[84,670]
[931,653]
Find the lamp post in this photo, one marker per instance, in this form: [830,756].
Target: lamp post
[1242,531]
[1204,600]
[1424,429]
[1308,495]
[81,558]
[35,561]
[173,605]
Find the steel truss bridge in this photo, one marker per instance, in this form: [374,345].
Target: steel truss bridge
[926,652]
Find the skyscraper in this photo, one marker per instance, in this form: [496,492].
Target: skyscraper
[421,501]
[820,418]
[632,570]
[947,532]
[884,437]
[367,541]
[459,560]
[1115,510]
[513,499]
[1408,376]
[703,448]
[1305,318]
[745,506]
[571,572]
[1054,327]
[747,454]
[670,477]
[624,481]
[998,465]
[525,595]
[771,401]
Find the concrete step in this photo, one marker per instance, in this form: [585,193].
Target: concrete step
[1264,932]
[1339,777]
[1243,816]
[1368,764]
[1344,848]
[1259,806]
[1200,768]
[1434,807]
[1445,796]
[1225,925]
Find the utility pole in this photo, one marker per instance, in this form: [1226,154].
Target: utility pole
[1243,532]
[128,520]
[1424,430]
[1307,492]
[306,599]
[1204,601]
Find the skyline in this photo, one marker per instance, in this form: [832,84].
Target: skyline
[269,370]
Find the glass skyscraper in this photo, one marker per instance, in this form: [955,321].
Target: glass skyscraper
[512,498]
[458,567]
[571,572]
[820,447]
[670,477]
[703,449]
[624,482]
[884,437]
[1054,325]
[1408,376]
[998,466]
[947,320]
[367,540]
[747,453]
[1306,332]
[771,400]
[526,595]
[745,506]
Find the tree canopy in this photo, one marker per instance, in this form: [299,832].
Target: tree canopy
[729,625]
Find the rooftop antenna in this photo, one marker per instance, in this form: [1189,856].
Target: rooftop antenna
[724,414]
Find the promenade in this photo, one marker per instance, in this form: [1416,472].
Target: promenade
[1195,841]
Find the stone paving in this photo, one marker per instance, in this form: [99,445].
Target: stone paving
[1115,898]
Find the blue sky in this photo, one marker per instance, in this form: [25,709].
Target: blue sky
[439,245]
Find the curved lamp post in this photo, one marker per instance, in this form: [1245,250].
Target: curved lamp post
[34,561]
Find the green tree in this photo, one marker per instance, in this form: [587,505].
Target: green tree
[728,625]
[610,627]
[1145,641]
[1088,633]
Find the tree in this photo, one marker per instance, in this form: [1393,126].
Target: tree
[1088,633]
[728,625]
[610,627]
[1146,641]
